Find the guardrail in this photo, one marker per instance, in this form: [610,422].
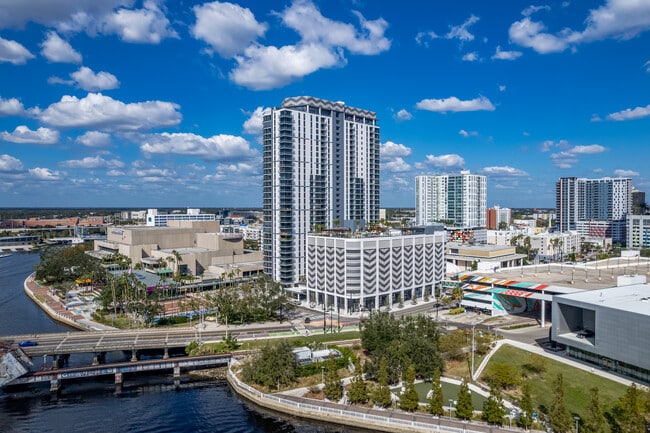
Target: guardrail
[367,418]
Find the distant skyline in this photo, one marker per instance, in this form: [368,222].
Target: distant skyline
[138,104]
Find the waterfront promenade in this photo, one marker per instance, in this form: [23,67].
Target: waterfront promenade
[53,307]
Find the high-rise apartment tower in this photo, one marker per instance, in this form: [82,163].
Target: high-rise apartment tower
[460,199]
[321,170]
[593,207]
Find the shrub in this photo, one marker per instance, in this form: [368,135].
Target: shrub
[455,311]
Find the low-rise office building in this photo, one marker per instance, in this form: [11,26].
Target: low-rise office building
[350,273]
[607,327]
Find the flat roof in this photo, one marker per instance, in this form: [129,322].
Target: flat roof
[634,298]
[596,275]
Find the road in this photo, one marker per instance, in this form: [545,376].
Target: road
[106,341]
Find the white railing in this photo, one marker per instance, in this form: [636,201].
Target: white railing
[348,413]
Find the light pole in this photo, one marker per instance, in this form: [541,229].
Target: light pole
[322,374]
[577,418]
[472,372]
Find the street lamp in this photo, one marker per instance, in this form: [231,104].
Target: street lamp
[322,374]
[577,418]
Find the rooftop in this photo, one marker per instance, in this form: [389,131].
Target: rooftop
[596,275]
[634,298]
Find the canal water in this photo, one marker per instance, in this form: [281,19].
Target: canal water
[150,405]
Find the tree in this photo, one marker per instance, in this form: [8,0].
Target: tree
[436,399]
[358,392]
[493,409]
[526,404]
[381,394]
[273,366]
[409,399]
[503,225]
[594,421]
[559,417]
[502,376]
[457,294]
[333,389]
[464,407]
[631,411]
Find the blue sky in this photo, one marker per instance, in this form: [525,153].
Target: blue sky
[126,103]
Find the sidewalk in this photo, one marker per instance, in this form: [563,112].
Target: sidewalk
[554,356]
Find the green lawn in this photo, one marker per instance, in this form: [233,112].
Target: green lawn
[577,383]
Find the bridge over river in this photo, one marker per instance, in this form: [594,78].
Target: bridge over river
[66,343]
[56,376]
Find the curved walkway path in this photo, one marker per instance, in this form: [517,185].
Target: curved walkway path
[556,357]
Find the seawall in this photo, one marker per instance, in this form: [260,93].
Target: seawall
[358,417]
[50,306]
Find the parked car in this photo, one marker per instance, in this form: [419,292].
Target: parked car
[27,343]
[307,320]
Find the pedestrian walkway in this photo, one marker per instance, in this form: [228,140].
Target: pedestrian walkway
[554,356]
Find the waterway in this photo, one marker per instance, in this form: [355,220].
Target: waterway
[150,405]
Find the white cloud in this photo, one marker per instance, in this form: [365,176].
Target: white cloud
[54,13]
[57,50]
[232,173]
[471,57]
[529,33]
[569,156]
[94,139]
[9,164]
[505,55]
[228,28]
[40,173]
[532,9]
[620,19]
[630,114]
[322,45]
[588,150]
[460,32]
[402,115]
[11,107]
[444,161]
[253,125]
[617,19]
[103,112]
[87,80]
[550,144]
[468,133]
[115,173]
[397,165]
[646,65]
[393,150]
[217,147]
[13,52]
[313,27]
[147,25]
[262,68]
[91,162]
[502,88]
[423,38]
[455,104]
[626,173]
[23,135]
[503,171]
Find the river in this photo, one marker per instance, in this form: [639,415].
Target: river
[151,405]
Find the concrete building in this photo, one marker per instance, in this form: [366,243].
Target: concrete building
[607,327]
[321,170]
[638,231]
[594,207]
[555,246]
[199,244]
[349,273]
[154,219]
[496,215]
[459,200]
[461,257]
[504,237]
